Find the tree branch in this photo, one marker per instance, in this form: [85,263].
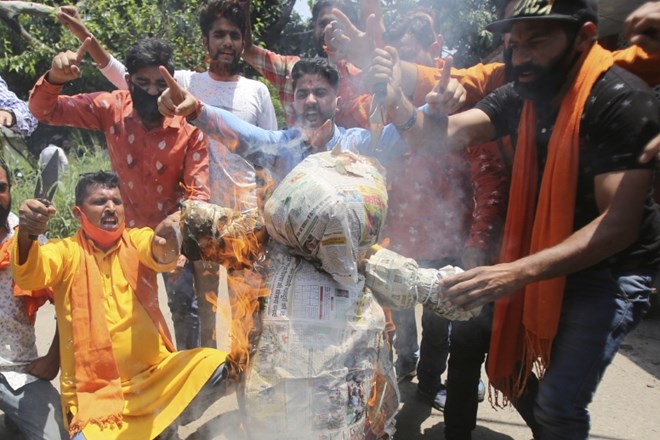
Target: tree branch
[10,10]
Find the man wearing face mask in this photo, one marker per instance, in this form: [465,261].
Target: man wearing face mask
[581,239]
[160,160]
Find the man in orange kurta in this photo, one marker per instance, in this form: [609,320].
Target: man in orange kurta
[121,378]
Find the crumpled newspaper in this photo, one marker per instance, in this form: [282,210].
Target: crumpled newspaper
[398,282]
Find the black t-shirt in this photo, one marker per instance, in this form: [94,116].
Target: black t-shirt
[620,117]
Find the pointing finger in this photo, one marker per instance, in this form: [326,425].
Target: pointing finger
[446,75]
[176,92]
[82,50]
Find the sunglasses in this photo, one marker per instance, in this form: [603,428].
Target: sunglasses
[4,186]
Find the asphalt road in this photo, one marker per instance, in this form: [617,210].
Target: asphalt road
[626,406]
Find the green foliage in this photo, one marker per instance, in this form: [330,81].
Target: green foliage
[461,22]
[62,224]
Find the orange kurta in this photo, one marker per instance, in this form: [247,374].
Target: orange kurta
[157,385]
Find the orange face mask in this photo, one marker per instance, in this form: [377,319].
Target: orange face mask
[101,237]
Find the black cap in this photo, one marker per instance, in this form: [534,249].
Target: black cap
[577,11]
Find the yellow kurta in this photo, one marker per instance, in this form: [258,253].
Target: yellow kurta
[157,384]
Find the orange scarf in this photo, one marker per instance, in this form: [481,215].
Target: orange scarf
[98,385]
[32,300]
[525,323]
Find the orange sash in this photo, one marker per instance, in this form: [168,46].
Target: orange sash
[98,385]
[525,323]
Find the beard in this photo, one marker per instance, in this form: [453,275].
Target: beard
[4,213]
[549,81]
[231,68]
[145,105]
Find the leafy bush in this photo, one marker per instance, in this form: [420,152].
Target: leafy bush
[62,224]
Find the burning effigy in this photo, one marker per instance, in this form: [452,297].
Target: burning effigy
[313,358]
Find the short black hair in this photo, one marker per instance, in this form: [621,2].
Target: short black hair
[215,9]
[345,6]
[106,179]
[149,52]
[315,66]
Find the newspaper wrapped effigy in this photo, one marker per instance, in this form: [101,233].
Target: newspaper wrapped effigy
[399,283]
[329,208]
[321,369]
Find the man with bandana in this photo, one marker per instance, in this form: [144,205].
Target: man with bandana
[121,376]
[161,161]
[582,234]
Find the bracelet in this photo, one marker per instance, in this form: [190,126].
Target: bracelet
[409,123]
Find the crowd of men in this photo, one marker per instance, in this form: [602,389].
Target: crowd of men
[533,174]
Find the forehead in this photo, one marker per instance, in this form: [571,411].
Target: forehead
[3,175]
[148,73]
[224,24]
[312,81]
[97,190]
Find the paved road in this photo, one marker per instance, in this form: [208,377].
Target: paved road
[625,408]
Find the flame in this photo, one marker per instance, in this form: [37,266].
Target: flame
[235,240]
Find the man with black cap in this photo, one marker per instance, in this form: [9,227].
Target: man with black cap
[582,235]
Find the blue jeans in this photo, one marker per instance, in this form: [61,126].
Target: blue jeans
[182,300]
[35,409]
[600,307]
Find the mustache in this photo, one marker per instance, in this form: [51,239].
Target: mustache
[312,107]
[217,54]
[527,68]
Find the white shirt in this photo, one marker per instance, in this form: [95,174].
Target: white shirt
[48,152]
[17,339]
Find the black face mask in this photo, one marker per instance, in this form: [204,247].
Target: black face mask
[549,81]
[145,105]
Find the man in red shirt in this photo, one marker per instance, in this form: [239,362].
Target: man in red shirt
[160,160]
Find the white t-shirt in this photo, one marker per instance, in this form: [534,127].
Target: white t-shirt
[232,179]
[48,152]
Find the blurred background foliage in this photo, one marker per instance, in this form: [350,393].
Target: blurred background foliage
[29,41]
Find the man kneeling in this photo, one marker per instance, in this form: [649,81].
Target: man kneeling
[121,377]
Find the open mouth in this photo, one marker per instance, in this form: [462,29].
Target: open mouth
[110,222]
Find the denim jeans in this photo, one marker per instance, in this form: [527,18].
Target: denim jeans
[599,308]
[469,345]
[182,300]
[35,409]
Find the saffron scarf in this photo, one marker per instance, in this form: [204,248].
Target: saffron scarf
[525,323]
[98,385]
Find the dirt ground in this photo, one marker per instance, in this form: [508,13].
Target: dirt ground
[626,406]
